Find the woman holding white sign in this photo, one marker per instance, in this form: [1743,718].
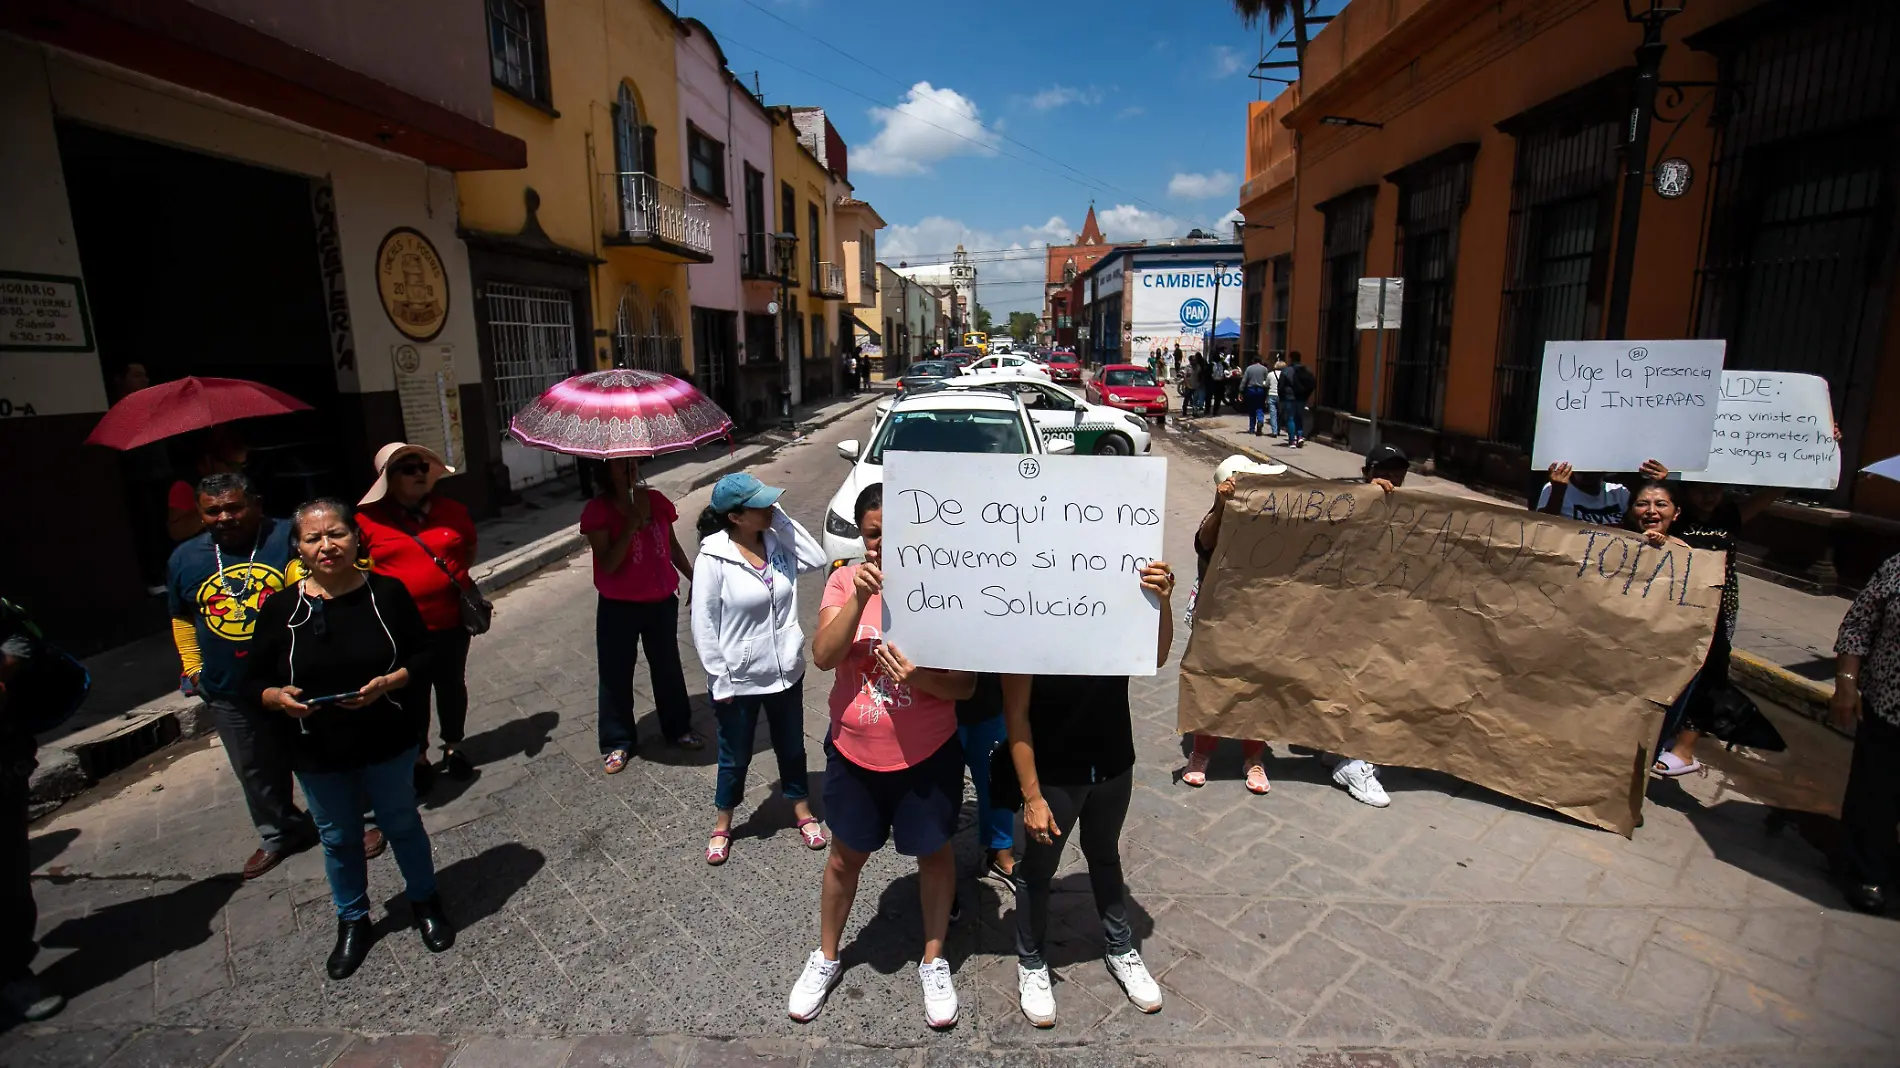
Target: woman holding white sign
[893,771]
[1082,774]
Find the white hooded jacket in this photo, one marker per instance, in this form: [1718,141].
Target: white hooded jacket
[747,631]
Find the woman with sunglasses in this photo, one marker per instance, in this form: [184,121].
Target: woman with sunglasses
[335,653]
[426,543]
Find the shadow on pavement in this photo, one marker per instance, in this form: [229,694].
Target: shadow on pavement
[527,736]
[656,749]
[480,886]
[775,813]
[45,848]
[112,941]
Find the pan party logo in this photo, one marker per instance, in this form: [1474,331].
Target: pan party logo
[413,284]
[229,600]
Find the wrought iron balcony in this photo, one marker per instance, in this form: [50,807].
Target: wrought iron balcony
[642,210]
[830,279]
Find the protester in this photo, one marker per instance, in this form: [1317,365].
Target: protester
[1206,538]
[1296,385]
[1588,496]
[745,626]
[214,602]
[220,451]
[40,687]
[1253,392]
[1867,689]
[1071,739]
[335,652]
[1710,520]
[980,729]
[426,542]
[637,567]
[893,771]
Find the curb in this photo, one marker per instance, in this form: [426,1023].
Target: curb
[1249,452]
[67,770]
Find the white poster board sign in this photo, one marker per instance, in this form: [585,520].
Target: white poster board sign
[1773,429]
[1368,315]
[1022,564]
[1610,405]
[431,399]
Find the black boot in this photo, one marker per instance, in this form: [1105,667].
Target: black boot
[437,933]
[424,778]
[353,939]
[1865,897]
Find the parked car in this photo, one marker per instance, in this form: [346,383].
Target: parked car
[1130,387]
[1063,366]
[1006,363]
[1060,415]
[942,420]
[926,374]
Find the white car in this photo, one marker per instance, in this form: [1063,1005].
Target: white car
[961,420]
[1061,415]
[1007,363]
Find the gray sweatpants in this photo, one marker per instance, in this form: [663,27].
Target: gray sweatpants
[258,745]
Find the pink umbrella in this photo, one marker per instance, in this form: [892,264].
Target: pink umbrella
[623,412]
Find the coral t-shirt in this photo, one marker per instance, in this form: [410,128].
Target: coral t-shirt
[646,574]
[878,724]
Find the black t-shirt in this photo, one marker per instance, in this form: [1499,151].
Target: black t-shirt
[1081,727]
[1716,533]
[985,704]
[340,645]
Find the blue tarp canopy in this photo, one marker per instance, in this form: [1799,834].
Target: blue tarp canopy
[1226,328]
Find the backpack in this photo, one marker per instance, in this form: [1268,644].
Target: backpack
[1303,381]
[49,685]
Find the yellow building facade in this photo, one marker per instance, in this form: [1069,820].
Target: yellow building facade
[812,320]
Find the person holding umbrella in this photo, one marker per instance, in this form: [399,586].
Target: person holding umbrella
[427,543]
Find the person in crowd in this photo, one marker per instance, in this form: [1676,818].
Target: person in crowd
[426,541]
[980,729]
[1253,394]
[335,654]
[893,771]
[215,599]
[1210,384]
[220,451]
[40,687]
[1273,397]
[1296,385]
[1177,358]
[1867,692]
[1071,740]
[1711,519]
[125,379]
[1191,384]
[1206,538]
[745,626]
[1589,496]
[637,567]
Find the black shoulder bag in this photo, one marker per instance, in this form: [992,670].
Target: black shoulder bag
[478,612]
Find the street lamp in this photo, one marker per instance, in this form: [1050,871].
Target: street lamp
[1650,14]
[1213,318]
[786,245]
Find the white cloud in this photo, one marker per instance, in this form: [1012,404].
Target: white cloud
[1011,261]
[1126,222]
[1225,63]
[928,125]
[1202,186]
[1130,112]
[1057,96]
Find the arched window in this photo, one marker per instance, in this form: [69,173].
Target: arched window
[646,335]
[629,157]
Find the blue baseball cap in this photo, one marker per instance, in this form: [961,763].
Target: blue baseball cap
[740,490]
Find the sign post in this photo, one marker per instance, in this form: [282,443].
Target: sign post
[1374,313]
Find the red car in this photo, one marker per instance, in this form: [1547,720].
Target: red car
[1130,387]
[1063,367]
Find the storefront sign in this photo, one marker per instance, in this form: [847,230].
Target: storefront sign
[431,400]
[1178,305]
[336,302]
[413,284]
[1610,405]
[43,313]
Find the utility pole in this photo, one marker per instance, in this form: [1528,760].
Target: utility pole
[1649,56]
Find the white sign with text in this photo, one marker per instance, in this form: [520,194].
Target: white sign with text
[1773,429]
[1022,564]
[1610,405]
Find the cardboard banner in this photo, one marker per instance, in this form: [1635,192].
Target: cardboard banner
[1610,405]
[1022,564]
[1773,429]
[1526,653]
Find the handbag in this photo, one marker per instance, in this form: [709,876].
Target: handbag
[1734,719]
[478,612]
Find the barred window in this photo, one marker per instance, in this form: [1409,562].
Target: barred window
[517,34]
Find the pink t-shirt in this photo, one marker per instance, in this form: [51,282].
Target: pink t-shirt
[876,723]
[646,574]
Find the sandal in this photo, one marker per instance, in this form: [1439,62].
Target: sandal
[1196,773]
[813,834]
[1671,766]
[1257,779]
[718,848]
[614,762]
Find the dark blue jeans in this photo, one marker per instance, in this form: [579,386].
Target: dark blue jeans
[1293,418]
[336,802]
[995,827]
[620,628]
[1256,408]
[738,727]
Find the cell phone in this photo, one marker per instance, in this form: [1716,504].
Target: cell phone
[319,702]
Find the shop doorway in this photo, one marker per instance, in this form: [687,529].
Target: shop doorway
[196,265]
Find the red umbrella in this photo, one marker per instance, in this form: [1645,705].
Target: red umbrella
[623,412]
[172,408]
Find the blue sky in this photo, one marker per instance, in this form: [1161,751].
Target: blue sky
[993,124]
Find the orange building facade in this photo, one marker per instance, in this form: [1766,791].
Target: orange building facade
[1475,148]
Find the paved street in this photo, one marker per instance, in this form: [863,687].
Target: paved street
[1454,928]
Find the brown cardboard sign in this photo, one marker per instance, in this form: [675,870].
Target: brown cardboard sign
[1526,653]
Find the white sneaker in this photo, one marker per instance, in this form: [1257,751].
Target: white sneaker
[813,986]
[1140,987]
[1361,780]
[1039,1002]
[940,998]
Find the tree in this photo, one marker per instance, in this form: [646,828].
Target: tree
[983,324]
[1022,325]
[1278,13]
